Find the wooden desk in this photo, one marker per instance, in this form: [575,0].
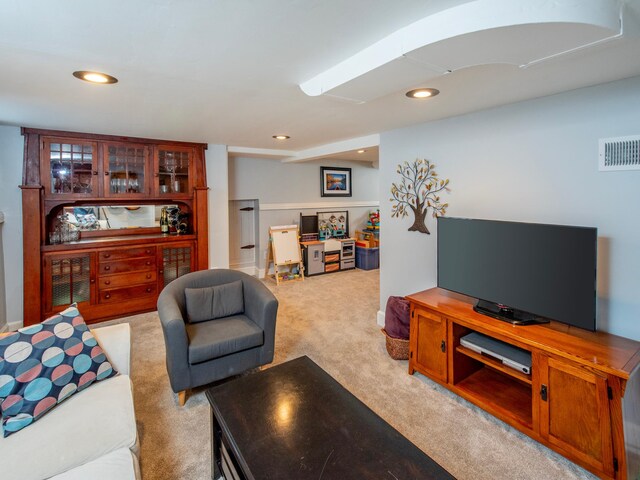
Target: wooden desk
[294,421]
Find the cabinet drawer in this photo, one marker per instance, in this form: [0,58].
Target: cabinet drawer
[332,267]
[121,253]
[123,280]
[331,257]
[347,264]
[123,266]
[128,293]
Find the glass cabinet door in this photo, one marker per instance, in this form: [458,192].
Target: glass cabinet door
[176,261]
[174,165]
[69,280]
[126,167]
[71,167]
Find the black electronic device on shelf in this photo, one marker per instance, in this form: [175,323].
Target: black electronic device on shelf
[509,314]
[521,273]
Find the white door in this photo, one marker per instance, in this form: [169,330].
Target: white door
[243,242]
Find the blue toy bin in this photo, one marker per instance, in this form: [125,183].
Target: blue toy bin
[367,258]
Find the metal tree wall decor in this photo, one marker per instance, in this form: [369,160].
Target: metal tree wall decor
[418,191]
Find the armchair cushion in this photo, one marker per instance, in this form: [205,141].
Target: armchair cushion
[219,301]
[210,340]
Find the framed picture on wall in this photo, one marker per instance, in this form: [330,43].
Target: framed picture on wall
[335,182]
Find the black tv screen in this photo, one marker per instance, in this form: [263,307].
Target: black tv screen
[547,271]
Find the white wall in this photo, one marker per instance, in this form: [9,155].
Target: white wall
[217,180]
[535,161]
[275,181]
[3,293]
[282,189]
[11,147]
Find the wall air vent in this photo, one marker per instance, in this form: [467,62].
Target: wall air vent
[620,153]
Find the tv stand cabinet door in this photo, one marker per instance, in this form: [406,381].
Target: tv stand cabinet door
[427,345]
[575,414]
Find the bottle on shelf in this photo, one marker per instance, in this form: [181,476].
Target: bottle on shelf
[164,221]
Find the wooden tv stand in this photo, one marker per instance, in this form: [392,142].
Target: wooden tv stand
[581,399]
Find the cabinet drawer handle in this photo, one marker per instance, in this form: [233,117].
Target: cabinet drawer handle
[147,251]
[160,272]
[107,282]
[94,172]
[108,295]
[148,276]
[147,263]
[149,290]
[93,280]
[443,346]
[543,393]
[107,255]
[107,268]
[106,173]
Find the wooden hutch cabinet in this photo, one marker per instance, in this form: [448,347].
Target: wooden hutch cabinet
[580,397]
[112,268]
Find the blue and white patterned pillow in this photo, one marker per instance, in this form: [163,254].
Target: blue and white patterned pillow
[44,364]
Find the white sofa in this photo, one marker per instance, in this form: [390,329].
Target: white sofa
[91,435]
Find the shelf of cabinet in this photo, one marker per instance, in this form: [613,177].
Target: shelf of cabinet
[117,241]
[289,277]
[499,394]
[495,364]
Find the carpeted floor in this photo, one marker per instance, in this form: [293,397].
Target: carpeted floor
[332,320]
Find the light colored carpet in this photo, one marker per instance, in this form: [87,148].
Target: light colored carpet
[332,320]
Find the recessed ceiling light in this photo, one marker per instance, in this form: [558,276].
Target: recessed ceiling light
[422,93]
[281,137]
[95,77]
[361,151]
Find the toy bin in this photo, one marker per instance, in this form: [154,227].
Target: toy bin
[367,258]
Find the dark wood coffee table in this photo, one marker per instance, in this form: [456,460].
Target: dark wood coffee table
[294,421]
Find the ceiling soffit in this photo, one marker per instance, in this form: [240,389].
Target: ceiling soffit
[483,32]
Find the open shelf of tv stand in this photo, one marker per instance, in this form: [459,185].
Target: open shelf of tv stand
[504,391]
[502,396]
[580,398]
[494,364]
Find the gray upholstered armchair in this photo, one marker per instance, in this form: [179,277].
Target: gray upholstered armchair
[216,323]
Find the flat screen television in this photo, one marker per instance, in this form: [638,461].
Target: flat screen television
[521,272]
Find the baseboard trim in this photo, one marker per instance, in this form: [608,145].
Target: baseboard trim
[252,270]
[14,326]
[380,318]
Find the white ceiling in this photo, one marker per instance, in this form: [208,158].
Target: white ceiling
[228,71]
